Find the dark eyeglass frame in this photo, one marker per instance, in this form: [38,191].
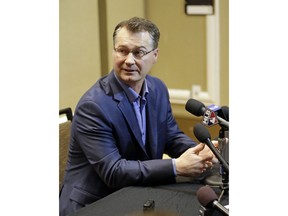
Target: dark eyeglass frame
[137,54]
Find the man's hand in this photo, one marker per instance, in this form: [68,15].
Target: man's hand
[207,150]
[193,161]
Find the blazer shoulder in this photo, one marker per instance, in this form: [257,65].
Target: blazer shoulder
[155,82]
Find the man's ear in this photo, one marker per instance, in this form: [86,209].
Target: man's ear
[155,53]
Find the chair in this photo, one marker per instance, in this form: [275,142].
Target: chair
[64,139]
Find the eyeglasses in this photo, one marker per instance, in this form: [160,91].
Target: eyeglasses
[137,54]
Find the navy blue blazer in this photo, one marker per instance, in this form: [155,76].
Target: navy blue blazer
[106,152]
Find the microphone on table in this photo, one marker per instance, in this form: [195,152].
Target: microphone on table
[210,117]
[208,198]
[213,115]
[203,135]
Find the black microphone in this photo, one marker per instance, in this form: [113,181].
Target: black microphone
[225,113]
[224,134]
[197,108]
[203,135]
[208,198]
[223,141]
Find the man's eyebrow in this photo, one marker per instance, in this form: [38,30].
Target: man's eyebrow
[140,47]
[137,47]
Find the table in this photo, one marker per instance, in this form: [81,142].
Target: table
[174,199]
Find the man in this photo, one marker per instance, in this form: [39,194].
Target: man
[123,124]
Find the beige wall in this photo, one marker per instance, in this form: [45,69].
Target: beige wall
[86,28]
[182,47]
[79,63]
[224,52]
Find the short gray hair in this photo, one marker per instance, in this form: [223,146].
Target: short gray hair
[137,24]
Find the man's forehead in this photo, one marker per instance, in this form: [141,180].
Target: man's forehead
[142,38]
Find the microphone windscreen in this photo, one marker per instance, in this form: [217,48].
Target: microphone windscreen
[206,195]
[225,111]
[195,107]
[201,132]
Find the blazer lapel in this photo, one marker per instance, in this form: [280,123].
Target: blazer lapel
[151,116]
[128,113]
[126,109]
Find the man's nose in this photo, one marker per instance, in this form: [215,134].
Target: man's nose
[130,59]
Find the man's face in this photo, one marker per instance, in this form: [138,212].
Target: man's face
[129,69]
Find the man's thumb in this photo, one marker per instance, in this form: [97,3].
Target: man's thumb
[198,148]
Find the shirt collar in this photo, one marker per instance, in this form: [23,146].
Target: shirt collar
[131,94]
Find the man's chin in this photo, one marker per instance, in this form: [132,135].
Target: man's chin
[132,77]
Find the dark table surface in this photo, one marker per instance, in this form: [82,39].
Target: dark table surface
[174,199]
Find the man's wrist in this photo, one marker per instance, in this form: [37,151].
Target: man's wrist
[174,166]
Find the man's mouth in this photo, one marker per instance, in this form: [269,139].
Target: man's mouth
[130,70]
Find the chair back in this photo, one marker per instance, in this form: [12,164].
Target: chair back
[64,139]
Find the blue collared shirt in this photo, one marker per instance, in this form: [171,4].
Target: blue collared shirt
[139,105]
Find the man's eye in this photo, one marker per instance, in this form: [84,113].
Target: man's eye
[123,51]
[139,53]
